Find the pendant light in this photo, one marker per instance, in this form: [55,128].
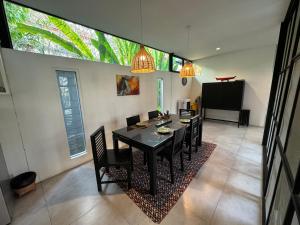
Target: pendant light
[142,62]
[187,70]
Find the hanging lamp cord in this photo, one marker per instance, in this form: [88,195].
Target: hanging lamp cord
[188,27]
[141,17]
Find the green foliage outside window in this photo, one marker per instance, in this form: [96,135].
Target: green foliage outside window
[37,32]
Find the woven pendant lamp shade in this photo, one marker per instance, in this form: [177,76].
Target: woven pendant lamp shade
[142,62]
[187,71]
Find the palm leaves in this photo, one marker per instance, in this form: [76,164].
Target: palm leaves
[107,54]
[126,49]
[160,59]
[31,30]
[50,36]
[73,36]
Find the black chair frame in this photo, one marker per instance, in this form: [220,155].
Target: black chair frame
[153,114]
[192,137]
[133,120]
[104,158]
[174,148]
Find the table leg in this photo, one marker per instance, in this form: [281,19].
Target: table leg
[200,134]
[116,145]
[153,175]
[115,142]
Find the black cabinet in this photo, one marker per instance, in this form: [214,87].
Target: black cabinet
[223,95]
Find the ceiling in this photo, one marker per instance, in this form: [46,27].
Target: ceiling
[229,24]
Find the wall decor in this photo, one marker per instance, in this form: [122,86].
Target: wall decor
[225,78]
[127,85]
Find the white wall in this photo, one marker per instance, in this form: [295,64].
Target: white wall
[35,94]
[255,66]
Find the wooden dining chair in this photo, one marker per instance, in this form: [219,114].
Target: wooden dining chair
[153,114]
[192,135]
[104,158]
[175,147]
[187,112]
[133,120]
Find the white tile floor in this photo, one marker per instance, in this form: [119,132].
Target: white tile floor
[226,190]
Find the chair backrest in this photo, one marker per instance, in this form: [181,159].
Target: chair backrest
[132,120]
[187,112]
[98,145]
[153,114]
[178,139]
[194,126]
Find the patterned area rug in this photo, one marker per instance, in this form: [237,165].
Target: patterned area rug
[157,207]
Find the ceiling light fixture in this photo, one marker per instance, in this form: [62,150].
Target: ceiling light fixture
[187,70]
[218,49]
[142,62]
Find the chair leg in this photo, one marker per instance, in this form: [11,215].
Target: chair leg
[196,146]
[129,177]
[171,170]
[181,161]
[190,151]
[147,161]
[131,159]
[98,179]
[145,158]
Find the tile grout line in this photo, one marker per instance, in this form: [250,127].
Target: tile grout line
[231,169]
[46,202]
[92,207]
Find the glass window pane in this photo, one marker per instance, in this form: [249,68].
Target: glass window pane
[284,60]
[272,181]
[293,150]
[295,31]
[290,45]
[272,146]
[70,102]
[160,94]
[297,26]
[161,59]
[278,91]
[177,63]
[281,97]
[37,32]
[282,198]
[295,220]
[290,101]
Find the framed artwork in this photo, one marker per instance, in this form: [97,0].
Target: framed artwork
[127,85]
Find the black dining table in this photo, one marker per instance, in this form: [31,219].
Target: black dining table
[148,140]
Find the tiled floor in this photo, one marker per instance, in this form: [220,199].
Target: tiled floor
[226,190]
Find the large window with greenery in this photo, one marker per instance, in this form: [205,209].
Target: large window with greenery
[38,32]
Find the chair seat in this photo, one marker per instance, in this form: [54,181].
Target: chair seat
[112,157]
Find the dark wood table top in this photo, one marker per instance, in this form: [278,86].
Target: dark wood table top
[148,136]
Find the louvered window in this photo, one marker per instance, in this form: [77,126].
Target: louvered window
[70,101]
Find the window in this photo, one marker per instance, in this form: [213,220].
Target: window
[176,63]
[71,108]
[33,31]
[160,94]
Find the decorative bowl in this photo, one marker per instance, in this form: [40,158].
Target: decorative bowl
[141,124]
[164,130]
[184,120]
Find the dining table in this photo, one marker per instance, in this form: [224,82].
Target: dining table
[147,139]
